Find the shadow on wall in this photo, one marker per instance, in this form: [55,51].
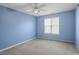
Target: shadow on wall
[48,36]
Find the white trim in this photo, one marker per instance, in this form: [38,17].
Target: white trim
[16,45]
[55,39]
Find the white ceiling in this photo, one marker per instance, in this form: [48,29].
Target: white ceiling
[49,7]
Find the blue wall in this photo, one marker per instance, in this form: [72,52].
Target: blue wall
[15,27]
[66,27]
[77,27]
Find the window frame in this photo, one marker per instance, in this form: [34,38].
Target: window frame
[51,25]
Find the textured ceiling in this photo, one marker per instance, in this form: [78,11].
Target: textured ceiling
[49,8]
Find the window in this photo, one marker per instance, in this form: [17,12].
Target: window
[47,26]
[52,25]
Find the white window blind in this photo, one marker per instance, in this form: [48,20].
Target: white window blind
[51,25]
[47,26]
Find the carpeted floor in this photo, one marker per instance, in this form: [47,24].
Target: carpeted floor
[43,47]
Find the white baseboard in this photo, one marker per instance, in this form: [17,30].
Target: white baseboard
[56,40]
[16,45]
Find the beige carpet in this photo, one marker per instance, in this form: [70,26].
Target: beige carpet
[43,47]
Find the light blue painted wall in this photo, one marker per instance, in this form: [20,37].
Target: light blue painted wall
[77,27]
[15,27]
[66,27]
